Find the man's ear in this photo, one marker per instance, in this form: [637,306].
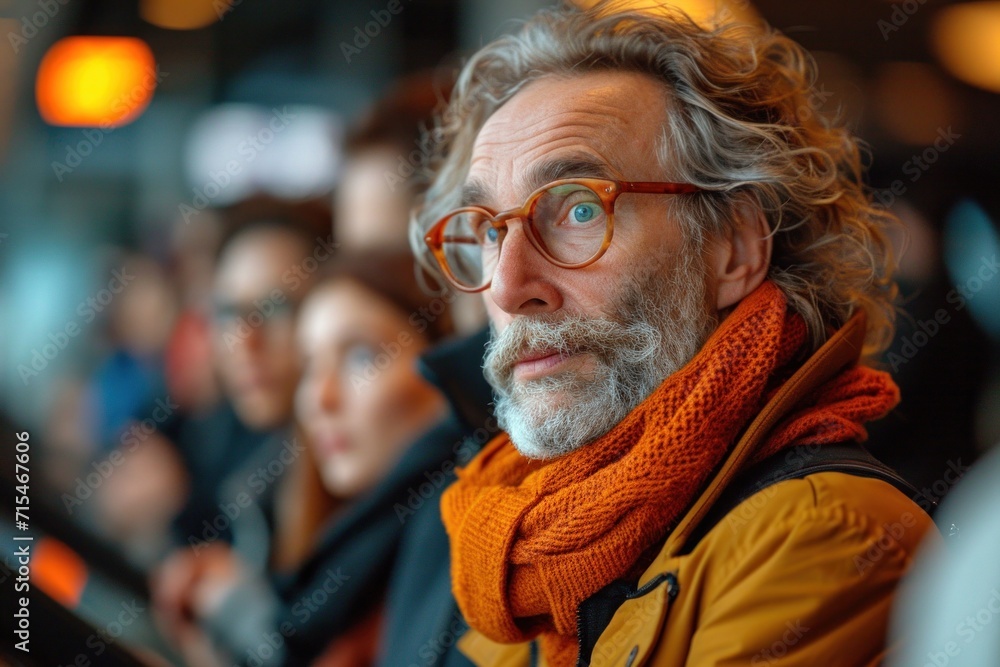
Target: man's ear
[738,260]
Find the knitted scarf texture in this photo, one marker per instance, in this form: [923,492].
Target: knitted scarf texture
[531,540]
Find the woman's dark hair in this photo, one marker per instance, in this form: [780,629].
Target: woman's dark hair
[308,221]
[393,276]
[399,118]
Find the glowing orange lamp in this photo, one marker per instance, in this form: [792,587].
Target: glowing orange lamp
[966,39]
[95,81]
[58,571]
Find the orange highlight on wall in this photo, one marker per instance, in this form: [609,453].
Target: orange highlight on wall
[95,81]
[184,14]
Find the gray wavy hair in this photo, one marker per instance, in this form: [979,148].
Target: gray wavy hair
[744,123]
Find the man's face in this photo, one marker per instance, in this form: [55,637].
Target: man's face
[574,350]
[253,327]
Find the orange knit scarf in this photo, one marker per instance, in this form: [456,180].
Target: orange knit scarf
[530,540]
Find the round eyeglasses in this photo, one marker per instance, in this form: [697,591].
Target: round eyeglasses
[569,221]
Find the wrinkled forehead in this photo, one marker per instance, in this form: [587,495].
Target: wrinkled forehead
[598,124]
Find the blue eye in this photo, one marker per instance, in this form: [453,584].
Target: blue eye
[492,234]
[583,212]
[359,355]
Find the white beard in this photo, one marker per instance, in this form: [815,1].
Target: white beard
[662,323]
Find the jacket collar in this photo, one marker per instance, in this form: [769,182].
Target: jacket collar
[842,349]
[456,369]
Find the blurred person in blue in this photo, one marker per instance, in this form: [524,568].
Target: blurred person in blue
[140,312]
[139,483]
[251,308]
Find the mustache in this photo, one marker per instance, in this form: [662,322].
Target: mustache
[608,339]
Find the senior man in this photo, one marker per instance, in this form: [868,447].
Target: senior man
[682,271]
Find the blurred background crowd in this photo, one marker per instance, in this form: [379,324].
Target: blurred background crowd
[210,318]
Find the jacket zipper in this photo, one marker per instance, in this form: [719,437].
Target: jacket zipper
[673,588]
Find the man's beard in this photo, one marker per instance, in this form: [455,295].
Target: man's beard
[662,322]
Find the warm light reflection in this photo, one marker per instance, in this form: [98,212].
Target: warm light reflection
[702,11]
[897,85]
[966,39]
[183,14]
[95,81]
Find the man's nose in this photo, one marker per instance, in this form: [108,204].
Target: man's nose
[522,281]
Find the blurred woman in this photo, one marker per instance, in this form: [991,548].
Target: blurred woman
[361,401]
[361,404]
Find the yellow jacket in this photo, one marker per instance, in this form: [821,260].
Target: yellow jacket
[800,573]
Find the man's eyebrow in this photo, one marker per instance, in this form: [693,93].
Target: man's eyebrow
[475,192]
[583,166]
